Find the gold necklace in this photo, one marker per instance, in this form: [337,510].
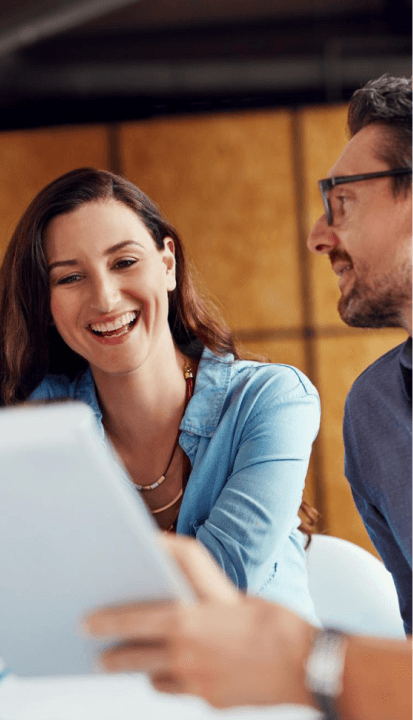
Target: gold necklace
[189,378]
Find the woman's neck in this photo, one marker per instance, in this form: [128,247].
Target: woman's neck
[146,405]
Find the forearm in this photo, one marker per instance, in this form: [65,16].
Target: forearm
[377,680]
[237,650]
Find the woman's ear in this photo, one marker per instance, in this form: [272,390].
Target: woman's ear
[168,258]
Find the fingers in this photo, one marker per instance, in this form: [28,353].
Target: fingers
[152,620]
[175,682]
[141,621]
[205,576]
[168,683]
[166,675]
[136,657]
[200,687]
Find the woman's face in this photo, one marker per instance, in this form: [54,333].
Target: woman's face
[109,285]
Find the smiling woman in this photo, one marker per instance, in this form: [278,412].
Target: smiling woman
[97,304]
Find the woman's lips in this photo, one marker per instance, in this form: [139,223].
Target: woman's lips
[117,333]
[114,325]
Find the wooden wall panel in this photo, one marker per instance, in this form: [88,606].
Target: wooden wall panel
[341,360]
[226,182]
[30,159]
[285,351]
[324,138]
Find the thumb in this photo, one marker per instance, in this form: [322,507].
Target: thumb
[203,573]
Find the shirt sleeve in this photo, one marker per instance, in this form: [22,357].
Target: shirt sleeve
[377,527]
[393,558]
[257,509]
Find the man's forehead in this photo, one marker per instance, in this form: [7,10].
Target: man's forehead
[359,156]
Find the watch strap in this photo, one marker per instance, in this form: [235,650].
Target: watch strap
[324,670]
[327,705]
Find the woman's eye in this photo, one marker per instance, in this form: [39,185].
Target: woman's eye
[69,279]
[124,263]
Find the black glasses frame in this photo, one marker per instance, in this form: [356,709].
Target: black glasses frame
[328,183]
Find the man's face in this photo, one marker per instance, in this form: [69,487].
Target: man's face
[369,241]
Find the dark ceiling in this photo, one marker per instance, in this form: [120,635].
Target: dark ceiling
[111,60]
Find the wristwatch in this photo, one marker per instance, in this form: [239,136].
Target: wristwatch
[324,670]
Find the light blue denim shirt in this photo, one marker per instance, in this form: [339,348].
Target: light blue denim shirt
[248,432]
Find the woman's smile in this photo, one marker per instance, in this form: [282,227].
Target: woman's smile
[115,329]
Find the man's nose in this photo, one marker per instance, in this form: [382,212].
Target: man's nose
[322,238]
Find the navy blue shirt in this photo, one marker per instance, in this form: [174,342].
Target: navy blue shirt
[378,463]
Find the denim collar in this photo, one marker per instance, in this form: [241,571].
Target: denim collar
[205,407]
[211,388]
[86,391]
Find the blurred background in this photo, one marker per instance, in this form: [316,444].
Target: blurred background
[226,114]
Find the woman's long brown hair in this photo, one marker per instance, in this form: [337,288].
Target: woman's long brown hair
[30,347]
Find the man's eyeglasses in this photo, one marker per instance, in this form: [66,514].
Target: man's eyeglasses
[328,183]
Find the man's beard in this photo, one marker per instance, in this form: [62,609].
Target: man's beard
[380,304]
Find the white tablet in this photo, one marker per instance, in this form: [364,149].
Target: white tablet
[74,536]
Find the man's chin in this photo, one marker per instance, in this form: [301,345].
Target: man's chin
[368,313]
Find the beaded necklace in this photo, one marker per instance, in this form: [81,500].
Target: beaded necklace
[189,379]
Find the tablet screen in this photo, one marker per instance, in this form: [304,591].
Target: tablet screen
[75,535]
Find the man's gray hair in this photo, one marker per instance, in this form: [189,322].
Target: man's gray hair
[387,102]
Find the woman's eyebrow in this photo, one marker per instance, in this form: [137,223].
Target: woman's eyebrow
[119,246]
[62,263]
[109,251]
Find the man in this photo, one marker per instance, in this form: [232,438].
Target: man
[232,649]
[366,232]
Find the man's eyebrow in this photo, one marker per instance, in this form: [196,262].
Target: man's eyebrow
[109,251]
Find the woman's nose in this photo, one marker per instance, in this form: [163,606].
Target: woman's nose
[322,238]
[105,294]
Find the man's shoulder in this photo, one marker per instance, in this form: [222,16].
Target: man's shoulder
[382,369]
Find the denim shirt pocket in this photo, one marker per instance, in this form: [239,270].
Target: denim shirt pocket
[269,579]
[196,525]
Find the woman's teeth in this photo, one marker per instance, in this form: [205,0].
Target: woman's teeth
[120,326]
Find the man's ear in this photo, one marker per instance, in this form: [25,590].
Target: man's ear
[169,260]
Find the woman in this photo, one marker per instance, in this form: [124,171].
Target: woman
[97,304]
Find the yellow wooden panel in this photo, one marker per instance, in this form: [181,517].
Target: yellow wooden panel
[226,183]
[32,158]
[341,360]
[324,138]
[285,350]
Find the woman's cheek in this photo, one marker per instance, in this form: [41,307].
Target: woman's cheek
[57,313]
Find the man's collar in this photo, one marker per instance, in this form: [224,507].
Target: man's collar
[406,366]
[406,354]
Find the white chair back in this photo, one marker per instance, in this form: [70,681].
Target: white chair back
[351,589]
